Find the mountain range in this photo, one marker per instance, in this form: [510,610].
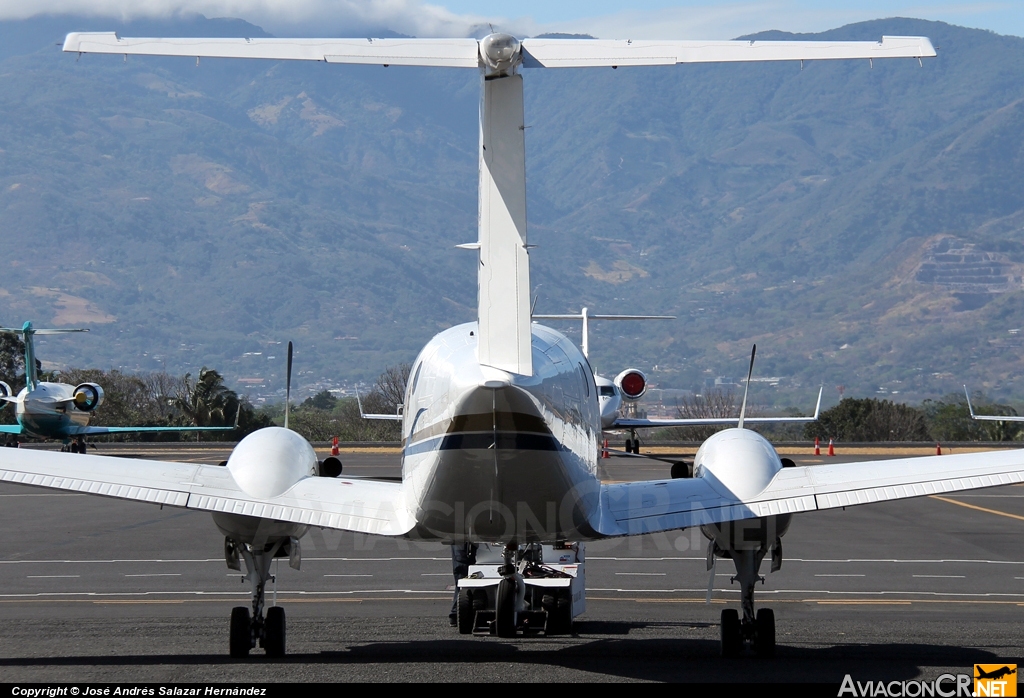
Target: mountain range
[861,223]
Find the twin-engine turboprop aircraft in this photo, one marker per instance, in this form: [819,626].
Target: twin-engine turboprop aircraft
[59,411]
[501,417]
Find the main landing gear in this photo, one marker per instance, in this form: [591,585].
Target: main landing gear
[633,442]
[76,446]
[757,630]
[248,630]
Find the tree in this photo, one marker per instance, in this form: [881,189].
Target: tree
[321,401]
[949,419]
[869,419]
[391,385]
[205,401]
[711,404]
[12,360]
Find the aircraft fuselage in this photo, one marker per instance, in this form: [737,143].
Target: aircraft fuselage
[49,412]
[493,456]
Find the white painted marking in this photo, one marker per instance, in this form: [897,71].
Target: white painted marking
[348,575]
[939,576]
[640,574]
[435,574]
[839,575]
[54,576]
[158,574]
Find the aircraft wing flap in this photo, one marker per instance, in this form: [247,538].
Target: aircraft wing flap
[443,53]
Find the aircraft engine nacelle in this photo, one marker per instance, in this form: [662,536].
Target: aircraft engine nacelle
[632,383]
[88,396]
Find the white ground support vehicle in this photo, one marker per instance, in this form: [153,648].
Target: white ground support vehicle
[546,591]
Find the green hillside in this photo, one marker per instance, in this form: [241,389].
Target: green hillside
[861,224]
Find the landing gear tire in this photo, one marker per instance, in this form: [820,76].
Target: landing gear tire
[505,609]
[273,628]
[629,445]
[559,620]
[466,612]
[764,633]
[241,635]
[74,447]
[732,639]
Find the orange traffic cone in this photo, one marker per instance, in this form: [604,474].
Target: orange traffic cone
[334,447]
[831,448]
[604,451]
[817,446]
[938,450]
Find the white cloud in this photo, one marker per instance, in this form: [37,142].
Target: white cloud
[406,16]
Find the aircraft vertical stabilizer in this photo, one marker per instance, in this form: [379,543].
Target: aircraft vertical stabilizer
[504,273]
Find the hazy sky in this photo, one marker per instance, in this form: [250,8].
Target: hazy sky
[682,19]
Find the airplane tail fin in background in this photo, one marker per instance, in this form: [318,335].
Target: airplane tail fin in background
[27,331]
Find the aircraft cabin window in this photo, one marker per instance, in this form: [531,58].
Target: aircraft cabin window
[606,391]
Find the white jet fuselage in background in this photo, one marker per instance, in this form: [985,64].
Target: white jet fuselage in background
[490,455]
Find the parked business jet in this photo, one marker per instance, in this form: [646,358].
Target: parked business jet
[618,397]
[501,418]
[60,411]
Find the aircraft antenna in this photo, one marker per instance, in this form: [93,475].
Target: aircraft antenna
[746,388]
[288,387]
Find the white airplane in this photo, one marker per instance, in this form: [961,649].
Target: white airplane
[501,419]
[47,410]
[622,393]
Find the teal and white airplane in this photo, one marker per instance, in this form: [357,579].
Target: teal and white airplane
[60,411]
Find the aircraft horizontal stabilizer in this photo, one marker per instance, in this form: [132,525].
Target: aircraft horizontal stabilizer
[10,429]
[587,53]
[438,53]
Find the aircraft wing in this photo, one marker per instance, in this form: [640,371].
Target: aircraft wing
[441,53]
[662,505]
[627,423]
[348,504]
[89,431]
[633,423]
[586,53]
[10,429]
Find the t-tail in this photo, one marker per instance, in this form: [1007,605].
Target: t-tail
[27,332]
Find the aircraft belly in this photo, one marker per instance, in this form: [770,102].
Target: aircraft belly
[254,530]
[486,494]
[45,425]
